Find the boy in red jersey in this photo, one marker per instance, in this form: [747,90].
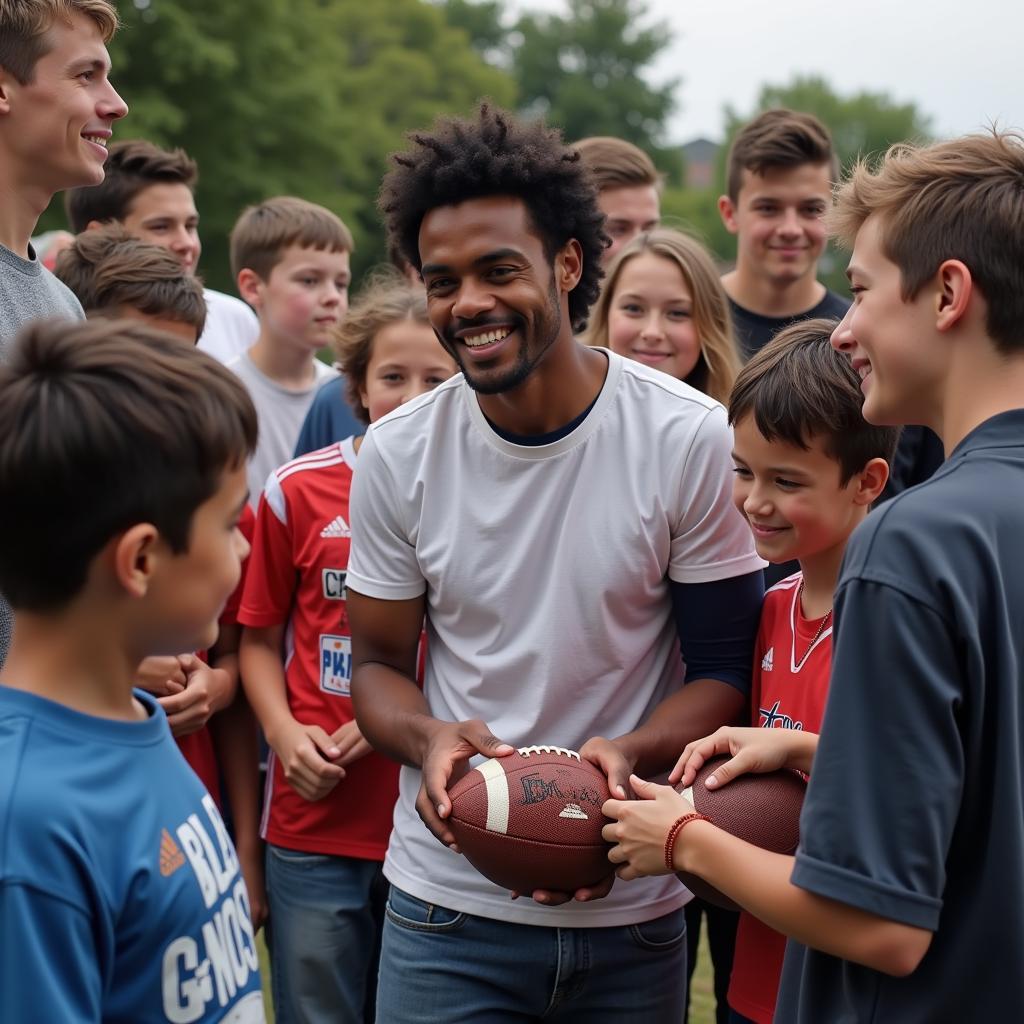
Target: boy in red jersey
[808,467]
[329,799]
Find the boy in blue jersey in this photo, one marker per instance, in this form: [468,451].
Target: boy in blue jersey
[122,474]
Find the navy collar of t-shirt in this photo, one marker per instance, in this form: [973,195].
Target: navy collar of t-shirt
[535,440]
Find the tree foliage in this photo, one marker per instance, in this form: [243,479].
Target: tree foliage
[584,70]
[302,97]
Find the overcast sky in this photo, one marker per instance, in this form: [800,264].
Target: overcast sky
[960,61]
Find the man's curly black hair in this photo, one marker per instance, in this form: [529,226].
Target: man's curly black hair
[498,155]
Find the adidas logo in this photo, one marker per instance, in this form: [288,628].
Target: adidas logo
[768,660]
[336,528]
[171,857]
[574,811]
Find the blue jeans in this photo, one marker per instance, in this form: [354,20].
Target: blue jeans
[439,966]
[325,915]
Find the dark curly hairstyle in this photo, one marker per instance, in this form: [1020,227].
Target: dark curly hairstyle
[497,155]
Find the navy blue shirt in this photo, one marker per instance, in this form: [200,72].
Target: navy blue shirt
[754,331]
[915,809]
[330,419]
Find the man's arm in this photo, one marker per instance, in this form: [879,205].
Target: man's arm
[717,627]
[393,713]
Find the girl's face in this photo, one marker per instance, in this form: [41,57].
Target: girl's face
[650,316]
[407,360]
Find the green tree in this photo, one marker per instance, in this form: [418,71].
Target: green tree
[305,97]
[584,70]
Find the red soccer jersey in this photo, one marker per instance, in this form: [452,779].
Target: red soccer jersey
[297,576]
[197,747]
[783,696]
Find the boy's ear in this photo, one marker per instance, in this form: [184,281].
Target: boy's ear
[7,82]
[955,286]
[250,286]
[727,211]
[871,481]
[136,555]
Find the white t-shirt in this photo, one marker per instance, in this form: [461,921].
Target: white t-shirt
[545,571]
[231,326]
[281,412]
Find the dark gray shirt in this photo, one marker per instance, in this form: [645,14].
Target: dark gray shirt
[915,809]
[28,291]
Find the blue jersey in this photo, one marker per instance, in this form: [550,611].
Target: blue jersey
[121,898]
[329,420]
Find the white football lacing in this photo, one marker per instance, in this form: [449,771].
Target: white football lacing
[561,751]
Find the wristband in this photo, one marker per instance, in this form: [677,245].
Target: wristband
[673,834]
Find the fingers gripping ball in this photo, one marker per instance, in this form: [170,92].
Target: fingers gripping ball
[532,820]
[762,809]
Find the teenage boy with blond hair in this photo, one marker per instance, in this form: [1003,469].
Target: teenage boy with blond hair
[120,892]
[57,107]
[291,261]
[910,867]
[779,176]
[628,188]
[151,192]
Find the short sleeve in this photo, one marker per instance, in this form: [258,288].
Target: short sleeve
[382,562]
[885,791]
[710,539]
[270,577]
[50,967]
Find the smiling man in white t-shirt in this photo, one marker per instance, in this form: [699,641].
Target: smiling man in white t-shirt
[562,518]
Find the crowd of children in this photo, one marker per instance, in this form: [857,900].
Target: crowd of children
[556,450]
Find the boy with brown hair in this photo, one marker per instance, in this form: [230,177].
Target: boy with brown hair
[291,260]
[911,858]
[780,171]
[117,275]
[628,188]
[120,891]
[150,191]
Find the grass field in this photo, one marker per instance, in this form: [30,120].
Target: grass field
[702,999]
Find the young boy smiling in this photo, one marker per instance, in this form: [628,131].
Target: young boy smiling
[808,467]
[910,869]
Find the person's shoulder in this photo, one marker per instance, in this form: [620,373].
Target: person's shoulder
[228,307]
[314,464]
[421,414]
[64,295]
[655,391]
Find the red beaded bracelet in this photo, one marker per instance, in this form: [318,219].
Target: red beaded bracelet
[673,834]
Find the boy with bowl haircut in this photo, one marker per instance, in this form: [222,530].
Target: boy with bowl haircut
[779,177]
[808,467]
[114,274]
[912,832]
[120,891]
[291,260]
[150,191]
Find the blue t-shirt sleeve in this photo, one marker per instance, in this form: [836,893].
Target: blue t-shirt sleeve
[328,421]
[888,776]
[49,969]
[717,626]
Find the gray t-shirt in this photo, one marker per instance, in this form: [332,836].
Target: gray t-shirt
[281,412]
[28,291]
[915,809]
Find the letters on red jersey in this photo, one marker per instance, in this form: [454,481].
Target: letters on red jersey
[783,696]
[296,577]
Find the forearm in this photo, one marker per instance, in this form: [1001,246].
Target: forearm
[236,743]
[760,882]
[392,712]
[263,678]
[691,713]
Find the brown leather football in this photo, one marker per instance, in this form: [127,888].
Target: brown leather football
[763,809]
[532,820]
